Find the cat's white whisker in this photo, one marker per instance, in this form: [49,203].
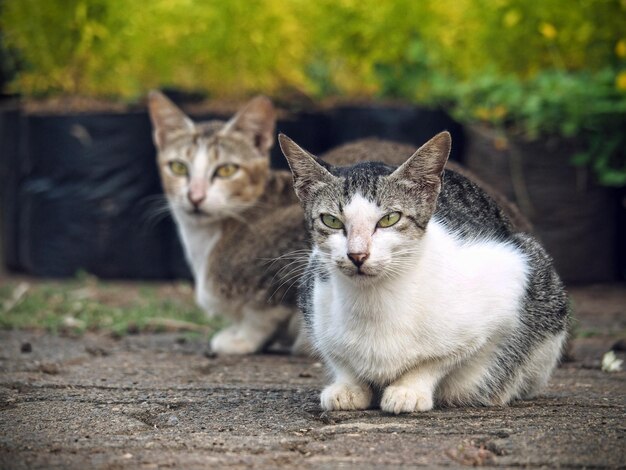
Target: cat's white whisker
[289,270]
[300,262]
[296,254]
[297,274]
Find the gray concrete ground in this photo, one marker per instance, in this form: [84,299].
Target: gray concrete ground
[155,401]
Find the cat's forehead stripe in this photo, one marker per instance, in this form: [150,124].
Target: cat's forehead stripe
[360,183]
[364,177]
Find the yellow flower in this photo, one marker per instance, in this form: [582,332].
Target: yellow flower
[548,30]
[499,112]
[496,113]
[620,48]
[620,81]
[482,113]
[511,18]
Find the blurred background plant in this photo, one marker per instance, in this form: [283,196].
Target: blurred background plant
[555,67]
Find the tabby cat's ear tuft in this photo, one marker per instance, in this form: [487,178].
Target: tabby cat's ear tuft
[308,171]
[257,120]
[426,165]
[168,121]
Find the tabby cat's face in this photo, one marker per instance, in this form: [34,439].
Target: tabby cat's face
[367,220]
[215,169]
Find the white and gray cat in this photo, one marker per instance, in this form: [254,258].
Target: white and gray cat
[236,218]
[419,288]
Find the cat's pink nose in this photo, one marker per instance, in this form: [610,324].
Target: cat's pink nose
[195,197]
[358,258]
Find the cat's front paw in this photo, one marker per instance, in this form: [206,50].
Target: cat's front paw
[234,341]
[399,399]
[343,396]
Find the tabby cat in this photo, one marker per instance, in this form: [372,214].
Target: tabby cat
[419,289]
[236,218]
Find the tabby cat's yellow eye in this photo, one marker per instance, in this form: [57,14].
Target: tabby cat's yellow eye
[179,168]
[332,221]
[389,220]
[226,171]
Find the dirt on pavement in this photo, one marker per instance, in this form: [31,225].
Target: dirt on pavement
[156,401]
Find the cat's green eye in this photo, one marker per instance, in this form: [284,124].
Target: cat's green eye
[179,168]
[227,170]
[332,221]
[390,219]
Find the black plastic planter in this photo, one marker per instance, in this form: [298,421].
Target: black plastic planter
[9,177]
[84,185]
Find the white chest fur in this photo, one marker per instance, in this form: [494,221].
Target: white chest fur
[458,297]
[198,242]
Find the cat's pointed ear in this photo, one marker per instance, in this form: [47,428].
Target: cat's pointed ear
[426,165]
[167,119]
[257,120]
[309,172]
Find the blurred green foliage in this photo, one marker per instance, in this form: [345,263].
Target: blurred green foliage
[87,304]
[540,67]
